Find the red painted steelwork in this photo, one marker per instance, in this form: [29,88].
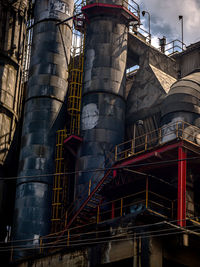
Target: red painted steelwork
[113,210]
[96,189]
[148,155]
[78,138]
[181,216]
[102,6]
[145,156]
[72,143]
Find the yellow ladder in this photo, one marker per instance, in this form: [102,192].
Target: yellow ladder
[61,180]
[75,82]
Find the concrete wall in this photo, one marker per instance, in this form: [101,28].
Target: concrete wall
[74,259]
[151,84]
[141,252]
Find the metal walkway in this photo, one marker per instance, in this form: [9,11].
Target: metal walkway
[175,146]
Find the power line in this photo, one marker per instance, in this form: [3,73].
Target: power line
[110,237]
[96,240]
[136,227]
[99,169]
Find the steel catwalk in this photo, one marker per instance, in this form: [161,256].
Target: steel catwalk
[43,115]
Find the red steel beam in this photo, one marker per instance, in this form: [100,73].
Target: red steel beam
[106,6]
[181,213]
[80,139]
[124,163]
[87,200]
[113,210]
[148,155]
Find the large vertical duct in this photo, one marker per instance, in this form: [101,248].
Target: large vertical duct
[182,104]
[103,103]
[12,37]
[43,116]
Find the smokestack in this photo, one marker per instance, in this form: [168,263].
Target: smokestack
[162,43]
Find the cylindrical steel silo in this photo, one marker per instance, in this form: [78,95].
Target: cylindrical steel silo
[43,116]
[180,112]
[13,16]
[182,101]
[103,102]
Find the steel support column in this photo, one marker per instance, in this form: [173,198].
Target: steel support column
[113,210]
[181,213]
[114,174]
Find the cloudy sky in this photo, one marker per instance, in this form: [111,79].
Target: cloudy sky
[164,19]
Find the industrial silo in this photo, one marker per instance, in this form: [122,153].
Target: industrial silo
[44,114]
[180,120]
[13,16]
[103,97]
[182,105]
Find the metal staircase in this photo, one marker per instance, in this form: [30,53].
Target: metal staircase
[90,205]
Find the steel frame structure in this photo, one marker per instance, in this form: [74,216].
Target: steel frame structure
[178,151]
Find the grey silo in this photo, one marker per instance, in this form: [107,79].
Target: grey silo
[103,103]
[183,100]
[44,114]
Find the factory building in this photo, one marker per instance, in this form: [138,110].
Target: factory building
[100,138]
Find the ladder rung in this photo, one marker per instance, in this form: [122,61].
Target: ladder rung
[92,206]
[55,189]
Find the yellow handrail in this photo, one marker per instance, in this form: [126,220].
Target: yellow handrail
[157,137]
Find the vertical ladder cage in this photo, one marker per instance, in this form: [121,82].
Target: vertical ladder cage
[60,182]
[62,165]
[76,74]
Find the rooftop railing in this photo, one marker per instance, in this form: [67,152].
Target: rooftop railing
[130,5]
[174,47]
[150,140]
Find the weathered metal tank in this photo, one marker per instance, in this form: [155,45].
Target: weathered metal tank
[182,104]
[13,16]
[43,115]
[103,98]
[180,113]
